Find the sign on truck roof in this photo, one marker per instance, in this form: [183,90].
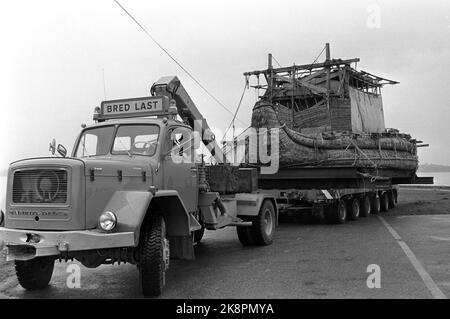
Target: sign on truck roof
[134,107]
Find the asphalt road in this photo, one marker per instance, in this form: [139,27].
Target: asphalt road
[305,261]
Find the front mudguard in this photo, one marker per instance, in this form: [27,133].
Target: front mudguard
[132,207]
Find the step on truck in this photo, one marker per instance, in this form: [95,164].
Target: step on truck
[132,191]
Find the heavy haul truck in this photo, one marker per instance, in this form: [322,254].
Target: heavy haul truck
[132,191]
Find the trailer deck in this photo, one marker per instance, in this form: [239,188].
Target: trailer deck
[308,177]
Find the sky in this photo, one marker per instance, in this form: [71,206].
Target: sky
[60,59]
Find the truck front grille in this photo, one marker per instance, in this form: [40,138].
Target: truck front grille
[32,186]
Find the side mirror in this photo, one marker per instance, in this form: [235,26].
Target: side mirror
[62,150]
[52,146]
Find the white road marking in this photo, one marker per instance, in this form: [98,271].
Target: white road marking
[429,282]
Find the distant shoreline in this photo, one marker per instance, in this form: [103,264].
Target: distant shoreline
[420,171]
[433,168]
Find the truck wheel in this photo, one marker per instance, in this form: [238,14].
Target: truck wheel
[336,213]
[154,255]
[391,199]
[384,202]
[35,273]
[198,235]
[375,204]
[245,236]
[263,226]
[365,206]
[353,209]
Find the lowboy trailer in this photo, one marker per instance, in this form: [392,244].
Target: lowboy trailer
[335,193]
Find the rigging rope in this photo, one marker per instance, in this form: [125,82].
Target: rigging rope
[237,110]
[174,60]
[276,61]
[317,57]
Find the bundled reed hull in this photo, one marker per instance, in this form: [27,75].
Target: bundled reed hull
[365,150]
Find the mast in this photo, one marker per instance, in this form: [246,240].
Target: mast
[328,67]
[270,76]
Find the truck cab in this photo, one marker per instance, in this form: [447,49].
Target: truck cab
[144,152]
[134,190]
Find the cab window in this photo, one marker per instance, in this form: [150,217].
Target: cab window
[136,139]
[179,141]
[95,141]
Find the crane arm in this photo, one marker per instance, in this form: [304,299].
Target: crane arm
[171,87]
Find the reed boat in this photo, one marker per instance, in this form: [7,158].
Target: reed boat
[330,114]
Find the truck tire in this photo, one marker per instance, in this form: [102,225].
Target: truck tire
[353,209]
[384,202]
[263,226]
[198,235]
[375,204]
[35,273]
[391,199]
[365,206]
[245,236]
[336,213]
[154,256]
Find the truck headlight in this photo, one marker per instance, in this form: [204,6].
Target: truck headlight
[2,217]
[107,221]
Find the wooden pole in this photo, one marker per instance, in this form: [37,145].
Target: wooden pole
[327,61]
[270,76]
[328,67]
[294,86]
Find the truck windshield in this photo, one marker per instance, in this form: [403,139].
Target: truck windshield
[130,139]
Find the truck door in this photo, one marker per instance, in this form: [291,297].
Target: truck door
[180,171]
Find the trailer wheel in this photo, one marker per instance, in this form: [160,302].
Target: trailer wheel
[353,209]
[154,255]
[336,213]
[375,204]
[245,236]
[263,226]
[365,206]
[391,199]
[384,202]
[35,273]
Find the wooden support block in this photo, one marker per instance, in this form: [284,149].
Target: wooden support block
[223,178]
[227,179]
[248,180]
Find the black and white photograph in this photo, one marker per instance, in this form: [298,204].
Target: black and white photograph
[235,153]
